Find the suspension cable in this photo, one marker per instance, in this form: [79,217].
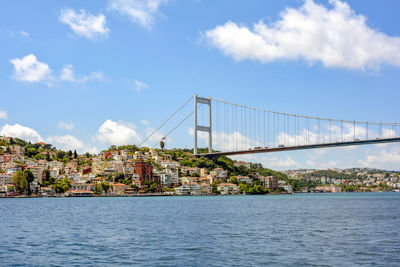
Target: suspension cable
[170,117]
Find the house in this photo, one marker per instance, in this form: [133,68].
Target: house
[118,188]
[243,164]
[166,164]
[219,173]
[71,167]
[182,190]
[228,189]
[74,177]
[203,172]
[270,182]
[288,188]
[5,178]
[55,164]
[13,169]
[79,186]
[205,188]
[54,172]
[47,191]
[17,150]
[128,169]
[194,188]
[37,173]
[7,158]
[166,179]
[137,183]
[245,179]
[188,189]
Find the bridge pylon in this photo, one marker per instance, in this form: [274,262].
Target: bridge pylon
[202,128]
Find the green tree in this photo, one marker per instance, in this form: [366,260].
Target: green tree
[150,186]
[20,182]
[119,177]
[60,154]
[75,154]
[105,186]
[234,180]
[162,144]
[214,186]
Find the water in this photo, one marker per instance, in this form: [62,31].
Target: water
[302,229]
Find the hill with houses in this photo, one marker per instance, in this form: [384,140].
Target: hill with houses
[41,169]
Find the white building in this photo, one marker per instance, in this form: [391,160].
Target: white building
[228,189]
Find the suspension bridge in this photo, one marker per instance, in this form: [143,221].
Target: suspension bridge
[234,129]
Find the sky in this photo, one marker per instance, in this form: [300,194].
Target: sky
[88,74]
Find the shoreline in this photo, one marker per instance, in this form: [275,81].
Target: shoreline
[201,195]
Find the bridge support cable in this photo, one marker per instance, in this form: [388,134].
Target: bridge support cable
[245,128]
[162,124]
[175,127]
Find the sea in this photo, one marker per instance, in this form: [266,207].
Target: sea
[338,229]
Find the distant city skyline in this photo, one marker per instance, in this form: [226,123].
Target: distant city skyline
[86,75]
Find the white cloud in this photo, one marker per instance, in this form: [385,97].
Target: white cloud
[145,123]
[279,163]
[336,37]
[155,138]
[118,133]
[383,159]
[29,69]
[142,12]
[94,76]
[21,132]
[69,126]
[3,115]
[85,24]
[24,34]
[67,74]
[139,86]
[69,142]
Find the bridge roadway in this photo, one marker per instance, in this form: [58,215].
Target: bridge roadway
[289,148]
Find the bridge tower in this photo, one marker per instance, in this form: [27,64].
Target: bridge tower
[202,128]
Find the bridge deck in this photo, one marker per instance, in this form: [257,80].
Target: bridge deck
[289,148]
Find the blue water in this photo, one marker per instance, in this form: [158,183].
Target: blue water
[302,229]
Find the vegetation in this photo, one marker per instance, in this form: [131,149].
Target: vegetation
[22,181]
[102,187]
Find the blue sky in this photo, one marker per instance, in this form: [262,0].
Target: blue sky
[86,74]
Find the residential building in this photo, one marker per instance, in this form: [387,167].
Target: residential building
[245,179]
[17,150]
[5,178]
[228,189]
[219,173]
[145,171]
[242,163]
[270,182]
[118,188]
[37,173]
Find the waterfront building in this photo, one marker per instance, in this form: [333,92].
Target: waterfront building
[118,188]
[182,190]
[270,182]
[228,189]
